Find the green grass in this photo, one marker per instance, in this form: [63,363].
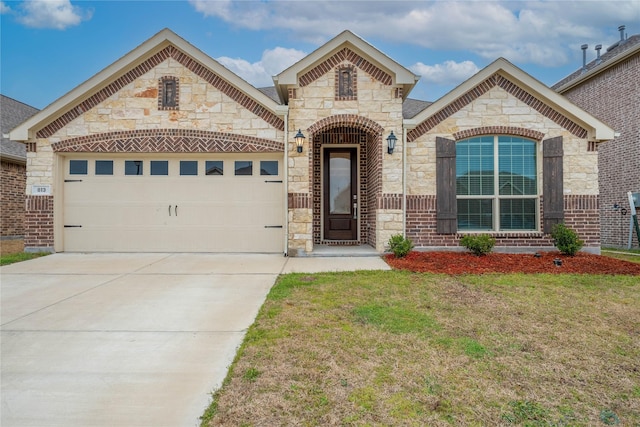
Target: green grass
[21,256]
[631,255]
[397,348]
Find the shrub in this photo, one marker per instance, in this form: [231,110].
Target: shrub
[400,246]
[566,239]
[479,244]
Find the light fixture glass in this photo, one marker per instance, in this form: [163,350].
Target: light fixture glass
[391,143]
[299,140]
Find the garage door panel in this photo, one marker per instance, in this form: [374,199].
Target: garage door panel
[173,213]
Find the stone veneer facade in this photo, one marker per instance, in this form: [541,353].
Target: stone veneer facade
[363,120]
[499,107]
[212,116]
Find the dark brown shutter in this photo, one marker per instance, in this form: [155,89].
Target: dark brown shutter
[552,187]
[446,204]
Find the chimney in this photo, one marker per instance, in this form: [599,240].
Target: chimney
[584,48]
[598,60]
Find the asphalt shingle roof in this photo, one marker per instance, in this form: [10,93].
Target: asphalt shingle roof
[604,59]
[410,107]
[12,113]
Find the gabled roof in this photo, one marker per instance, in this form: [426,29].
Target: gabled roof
[12,113]
[399,74]
[616,53]
[161,41]
[537,93]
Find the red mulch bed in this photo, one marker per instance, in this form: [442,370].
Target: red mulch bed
[467,263]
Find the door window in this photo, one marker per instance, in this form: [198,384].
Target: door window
[104,167]
[340,183]
[243,167]
[133,167]
[77,167]
[188,167]
[159,167]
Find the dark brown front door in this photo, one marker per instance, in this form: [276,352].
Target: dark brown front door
[340,194]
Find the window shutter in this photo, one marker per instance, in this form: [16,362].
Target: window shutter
[446,204]
[552,183]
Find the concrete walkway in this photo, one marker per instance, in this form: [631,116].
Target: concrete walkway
[130,339]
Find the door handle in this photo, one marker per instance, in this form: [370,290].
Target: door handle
[176,210]
[169,210]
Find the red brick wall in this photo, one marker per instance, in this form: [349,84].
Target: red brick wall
[12,189]
[39,222]
[612,96]
[581,214]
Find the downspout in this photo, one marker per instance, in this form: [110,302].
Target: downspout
[404,181]
[286,183]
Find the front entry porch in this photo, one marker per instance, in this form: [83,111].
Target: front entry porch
[346,182]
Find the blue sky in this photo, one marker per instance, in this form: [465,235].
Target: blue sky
[48,47]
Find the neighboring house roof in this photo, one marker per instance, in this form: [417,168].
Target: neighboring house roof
[163,40]
[12,113]
[616,53]
[596,130]
[346,39]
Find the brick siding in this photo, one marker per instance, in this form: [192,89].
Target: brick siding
[580,213]
[612,96]
[39,222]
[12,190]
[345,54]
[168,141]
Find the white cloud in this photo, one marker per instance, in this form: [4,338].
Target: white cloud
[546,33]
[259,73]
[447,73]
[55,14]
[4,8]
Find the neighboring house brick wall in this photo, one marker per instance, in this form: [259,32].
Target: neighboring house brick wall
[12,186]
[613,97]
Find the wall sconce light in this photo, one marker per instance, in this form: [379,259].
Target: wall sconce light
[299,140]
[391,142]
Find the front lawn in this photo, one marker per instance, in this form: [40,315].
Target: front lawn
[402,348]
[19,257]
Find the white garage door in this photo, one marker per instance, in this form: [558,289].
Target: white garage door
[221,203]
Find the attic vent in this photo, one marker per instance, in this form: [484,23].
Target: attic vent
[621,28]
[346,83]
[168,93]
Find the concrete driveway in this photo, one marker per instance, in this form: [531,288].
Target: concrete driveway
[130,339]
[124,339]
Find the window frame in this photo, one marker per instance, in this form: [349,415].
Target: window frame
[496,197]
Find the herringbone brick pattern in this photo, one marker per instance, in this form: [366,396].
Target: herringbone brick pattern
[168,141]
